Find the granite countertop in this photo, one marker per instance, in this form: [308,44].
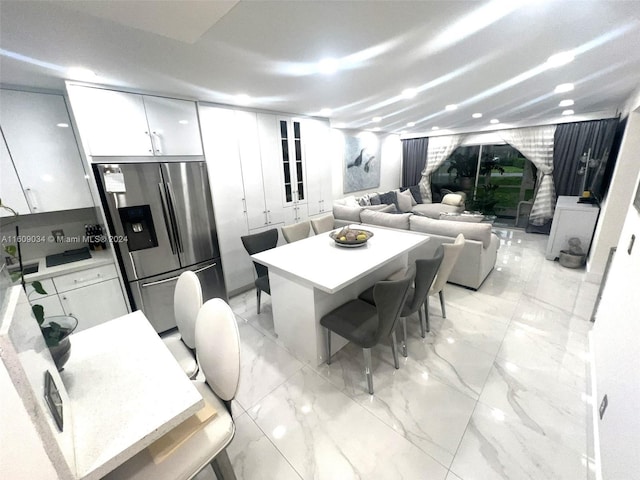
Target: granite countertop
[98,258]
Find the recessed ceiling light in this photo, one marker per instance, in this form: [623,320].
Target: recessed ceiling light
[568,112]
[409,92]
[328,66]
[325,112]
[376,119]
[494,120]
[477,115]
[451,107]
[563,87]
[243,98]
[435,128]
[183,122]
[377,129]
[565,103]
[81,73]
[560,59]
[62,125]
[411,124]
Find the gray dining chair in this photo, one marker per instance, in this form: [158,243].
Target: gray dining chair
[218,346]
[256,243]
[295,232]
[365,324]
[450,258]
[418,296]
[187,300]
[322,224]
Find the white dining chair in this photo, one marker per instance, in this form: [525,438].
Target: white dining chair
[450,258]
[218,346]
[295,232]
[322,224]
[187,300]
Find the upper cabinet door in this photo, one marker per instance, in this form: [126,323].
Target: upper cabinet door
[173,126]
[111,123]
[37,130]
[11,192]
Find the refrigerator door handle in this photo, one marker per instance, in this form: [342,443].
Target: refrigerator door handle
[165,215]
[205,268]
[174,217]
[159,282]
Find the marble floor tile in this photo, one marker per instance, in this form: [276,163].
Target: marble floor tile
[263,365]
[324,434]
[452,476]
[549,408]
[585,300]
[476,302]
[254,457]
[498,446]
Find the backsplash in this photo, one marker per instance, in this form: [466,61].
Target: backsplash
[39,227]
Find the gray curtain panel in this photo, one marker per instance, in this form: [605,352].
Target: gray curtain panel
[414,157]
[572,141]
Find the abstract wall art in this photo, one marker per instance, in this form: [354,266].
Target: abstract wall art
[361,162]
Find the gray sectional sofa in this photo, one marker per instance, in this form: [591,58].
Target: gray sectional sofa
[478,256]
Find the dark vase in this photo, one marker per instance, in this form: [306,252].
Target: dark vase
[61,350]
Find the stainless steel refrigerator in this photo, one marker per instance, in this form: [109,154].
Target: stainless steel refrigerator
[164,215]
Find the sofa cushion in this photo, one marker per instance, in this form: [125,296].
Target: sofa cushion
[471,231]
[389,198]
[374,198]
[350,201]
[345,212]
[384,219]
[434,210]
[405,201]
[381,208]
[453,199]
[415,192]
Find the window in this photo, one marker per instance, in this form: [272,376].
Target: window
[496,178]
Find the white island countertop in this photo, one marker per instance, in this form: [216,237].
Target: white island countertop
[319,262]
[126,390]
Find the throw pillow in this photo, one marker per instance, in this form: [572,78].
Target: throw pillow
[374,198]
[389,198]
[344,212]
[405,201]
[415,192]
[364,200]
[380,208]
[453,199]
[351,201]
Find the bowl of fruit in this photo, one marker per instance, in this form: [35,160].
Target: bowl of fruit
[351,237]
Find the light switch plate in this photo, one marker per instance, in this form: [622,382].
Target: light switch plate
[58,235]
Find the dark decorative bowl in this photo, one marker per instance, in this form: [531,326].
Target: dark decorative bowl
[360,239]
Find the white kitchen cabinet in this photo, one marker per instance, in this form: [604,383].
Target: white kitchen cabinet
[51,305]
[292,162]
[571,220]
[94,304]
[11,191]
[268,140]
[113,123]
[318,166]
[222,154]
[43,148]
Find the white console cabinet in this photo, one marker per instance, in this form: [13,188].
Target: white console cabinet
[571,219]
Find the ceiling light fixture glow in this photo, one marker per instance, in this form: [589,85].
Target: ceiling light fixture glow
[477,115]
[435,128]
[243,98]
[328,66]
[563,87]
[183,122]
[568,112]
[560,59]
[565,103]
[409,93]
[376,119]
[451,107]
[325,112]
[81,73]
[411,124]
[377,129]
[494,121]
[62,125]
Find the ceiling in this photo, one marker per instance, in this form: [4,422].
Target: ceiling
[484,57]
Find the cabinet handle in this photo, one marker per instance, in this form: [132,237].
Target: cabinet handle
[266,220]
[156,142]
[31,198]
[82,280]
[244,205]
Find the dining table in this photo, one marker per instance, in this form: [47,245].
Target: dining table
[311,277]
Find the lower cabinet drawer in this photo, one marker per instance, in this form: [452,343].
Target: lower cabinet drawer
[94,304]
[83,278]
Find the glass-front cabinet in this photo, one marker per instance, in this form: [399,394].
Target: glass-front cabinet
[293,171]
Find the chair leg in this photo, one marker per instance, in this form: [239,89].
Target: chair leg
[404,337]
[222,466]
[367,368]
[422,323]
[426,315]
[444,313]
[258,294]
[394,350]
[328,346]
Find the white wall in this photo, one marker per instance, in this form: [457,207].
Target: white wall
[614,207]
[390,162]
[615,338]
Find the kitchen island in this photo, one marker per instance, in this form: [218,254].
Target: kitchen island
[311,277]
